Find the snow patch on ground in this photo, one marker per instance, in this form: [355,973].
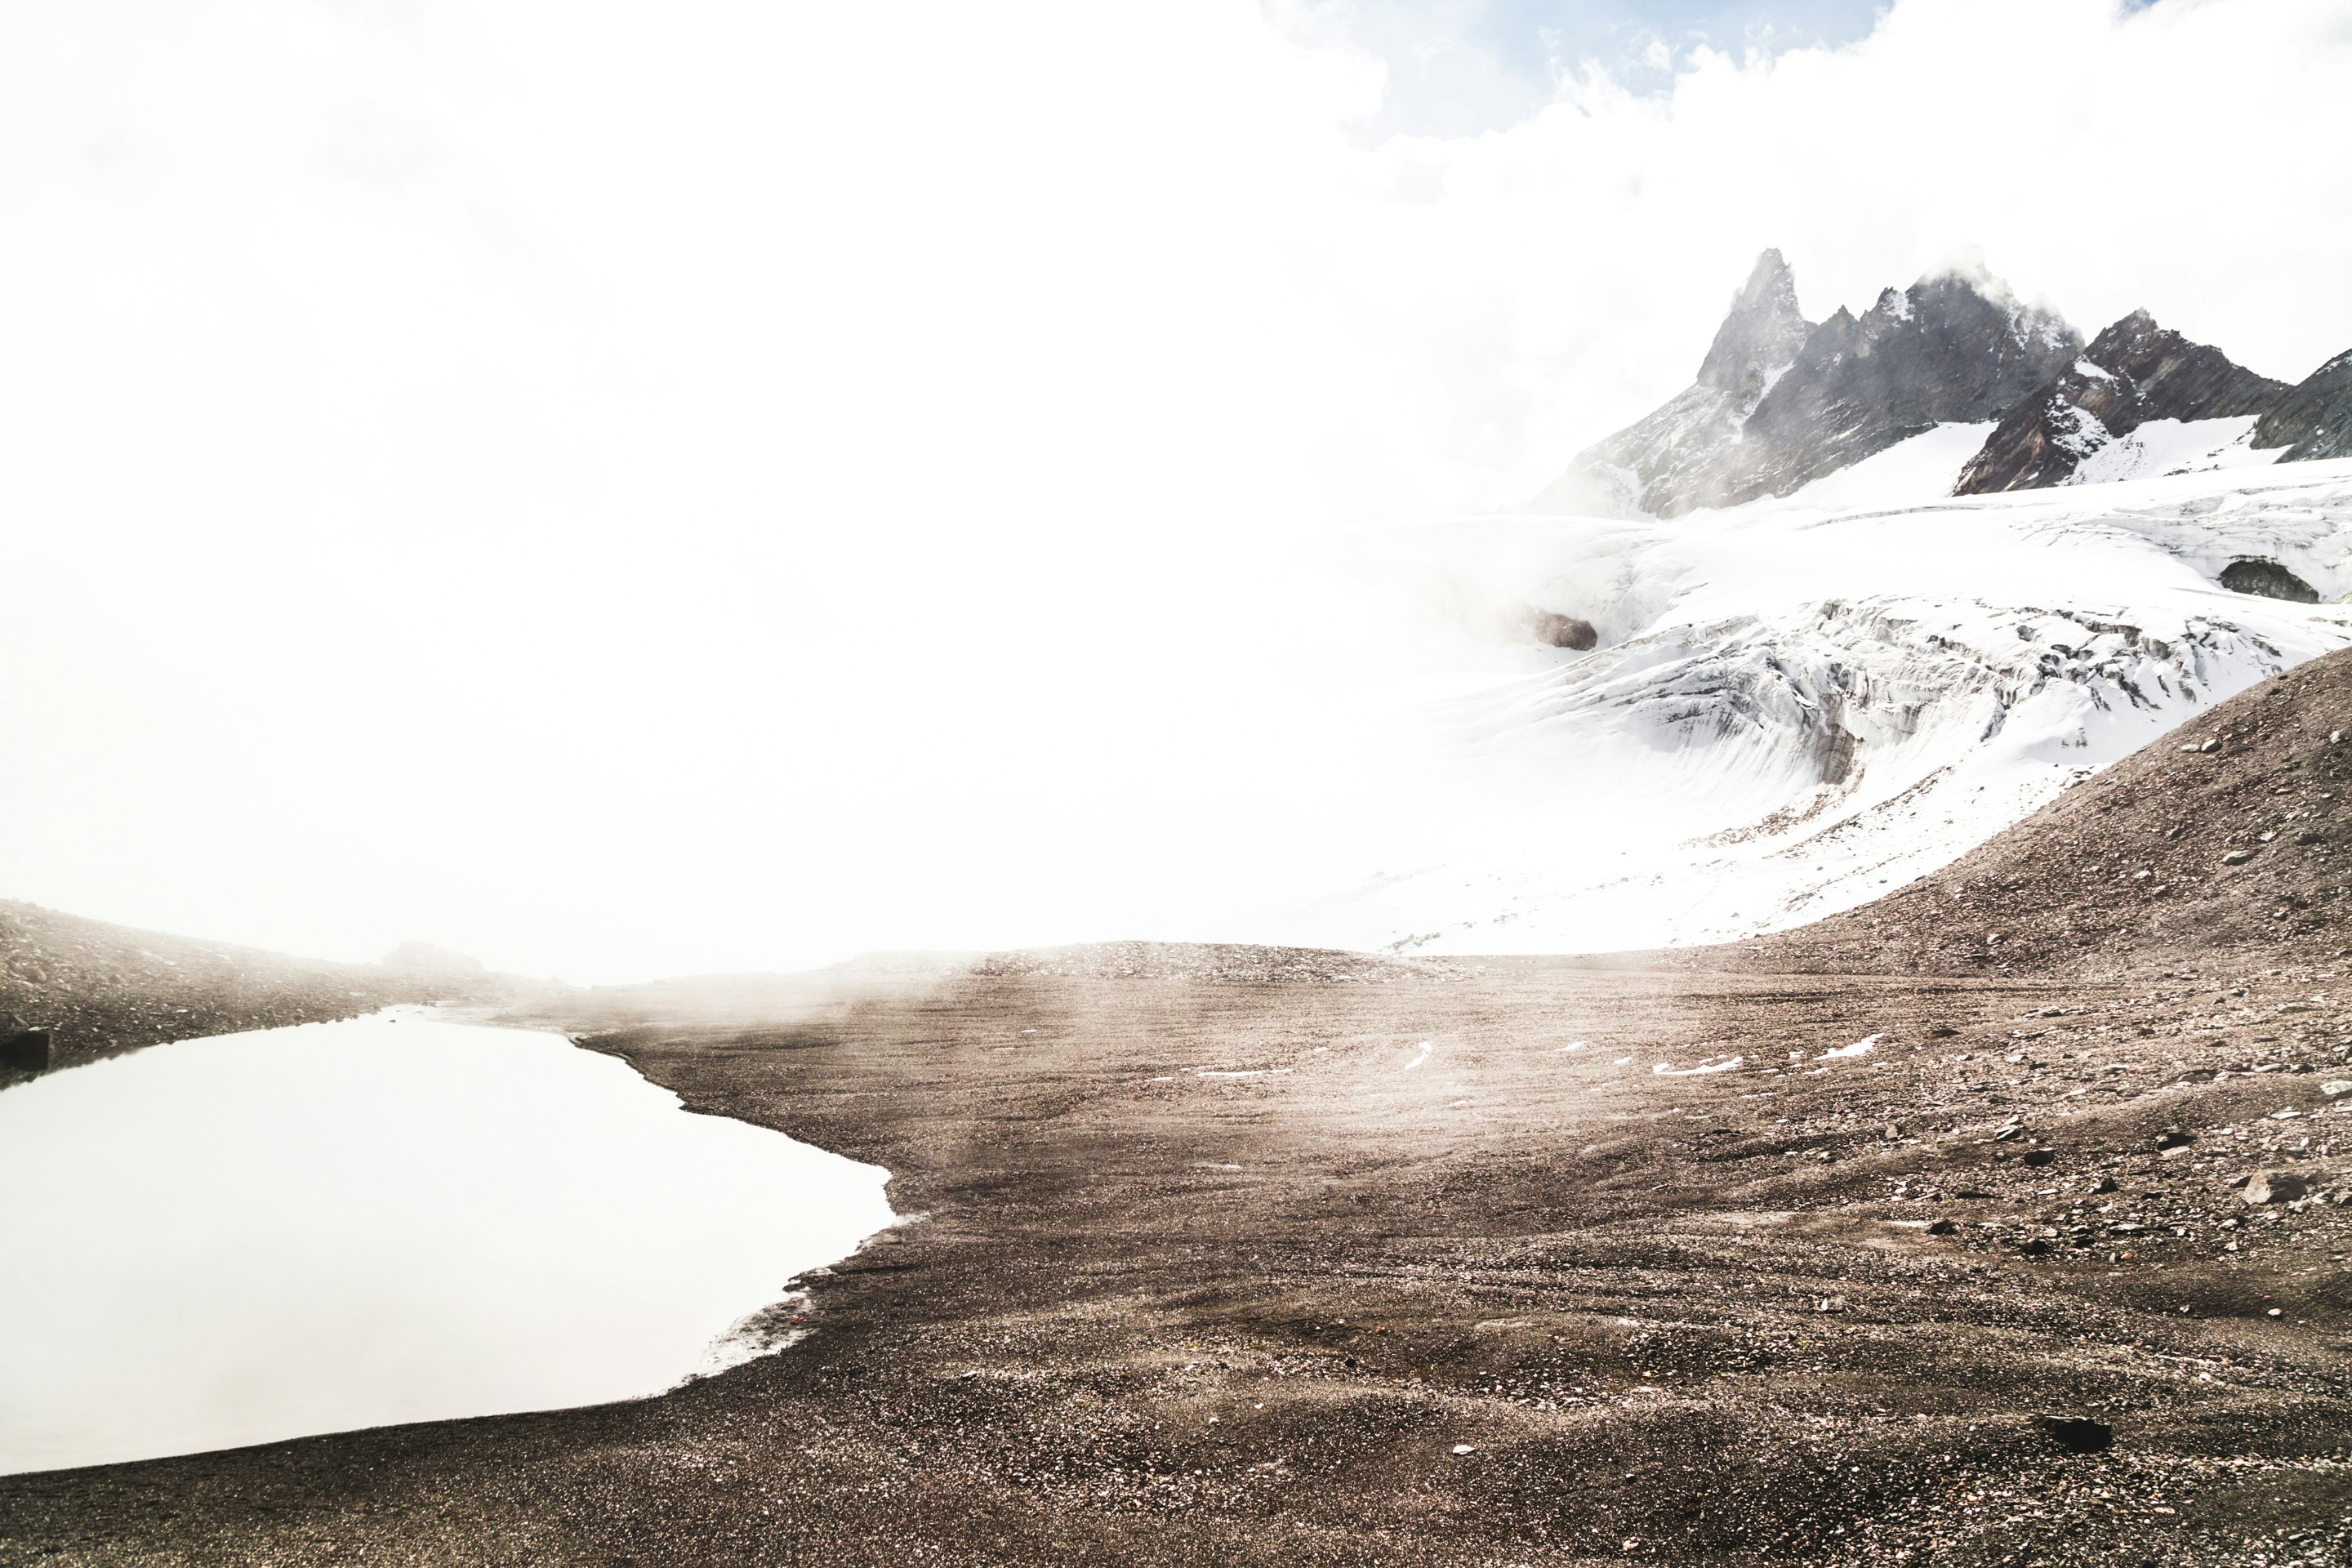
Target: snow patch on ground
[1724,1064]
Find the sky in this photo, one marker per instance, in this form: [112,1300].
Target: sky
[622,490]
[1457,68]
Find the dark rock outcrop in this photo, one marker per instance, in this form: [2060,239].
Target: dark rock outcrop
[2133,372]
[1778,404]
[2269,579]
[2313,420]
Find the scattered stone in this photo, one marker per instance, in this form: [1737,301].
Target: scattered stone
[2174,1139]
[2038,1157]
[1462,1448]
[2336,1087]
[2014,1130]
[2237,856]
[1940,1227]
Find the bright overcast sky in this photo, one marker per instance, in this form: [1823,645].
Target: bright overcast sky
[624,489]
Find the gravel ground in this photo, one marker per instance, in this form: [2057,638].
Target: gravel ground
[1846,1247]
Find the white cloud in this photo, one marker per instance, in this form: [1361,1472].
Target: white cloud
[625,490]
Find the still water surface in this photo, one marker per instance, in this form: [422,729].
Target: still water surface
[393,1218]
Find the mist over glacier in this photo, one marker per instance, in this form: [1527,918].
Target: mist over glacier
[616,499]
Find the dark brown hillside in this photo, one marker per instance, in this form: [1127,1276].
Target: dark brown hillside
[99,990]
[2229,832]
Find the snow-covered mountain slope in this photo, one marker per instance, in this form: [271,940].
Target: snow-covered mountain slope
[1796,704]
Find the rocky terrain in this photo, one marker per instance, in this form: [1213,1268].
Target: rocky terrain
[91,990]
[1884,1241]
[2133,372]
[2227,836]
[2315,419]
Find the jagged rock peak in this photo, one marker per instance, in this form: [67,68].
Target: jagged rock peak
[1953,347]
[1778,404]
[1760,334]
[2134,371]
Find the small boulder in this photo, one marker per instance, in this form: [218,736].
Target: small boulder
[2273,1187]
[2237,856]
[1563,631]
[24,1051]
[2076,1434]
[2038,1157]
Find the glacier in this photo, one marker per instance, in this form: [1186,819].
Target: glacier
[1798,703]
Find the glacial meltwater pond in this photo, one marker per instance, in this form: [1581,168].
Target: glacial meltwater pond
[395,1219]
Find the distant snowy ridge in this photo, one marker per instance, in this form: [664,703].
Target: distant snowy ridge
[1780,403]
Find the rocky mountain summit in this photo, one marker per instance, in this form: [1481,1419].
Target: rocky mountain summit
[1781,402]
[1948,349]
[1674,460]
[2133,372]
